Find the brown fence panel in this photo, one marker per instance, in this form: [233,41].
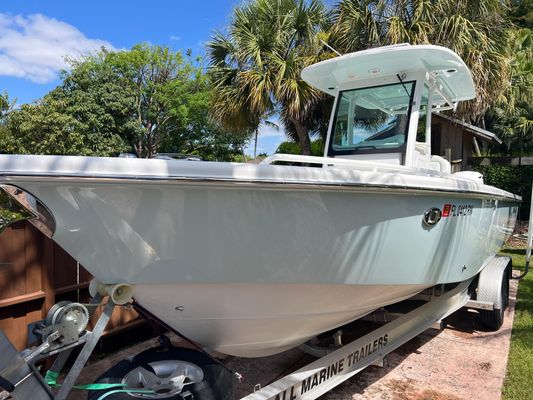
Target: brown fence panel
[34,274]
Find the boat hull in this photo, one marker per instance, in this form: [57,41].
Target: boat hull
[254,320]
[153,233]
[258,267]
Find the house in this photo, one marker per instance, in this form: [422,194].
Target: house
[456,140]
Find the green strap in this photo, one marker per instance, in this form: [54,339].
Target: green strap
[51,379]
[102,397]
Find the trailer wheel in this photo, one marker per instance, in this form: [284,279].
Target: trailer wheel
[168,375]
[493,287]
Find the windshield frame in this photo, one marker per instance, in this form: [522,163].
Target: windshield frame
[332,152]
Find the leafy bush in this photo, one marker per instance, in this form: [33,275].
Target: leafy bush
[514,179]
[289,147]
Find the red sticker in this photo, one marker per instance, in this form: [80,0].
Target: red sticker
[446,210]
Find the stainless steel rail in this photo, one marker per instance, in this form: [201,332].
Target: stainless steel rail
[19,205]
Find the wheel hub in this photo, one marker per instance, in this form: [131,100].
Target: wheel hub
[170,378]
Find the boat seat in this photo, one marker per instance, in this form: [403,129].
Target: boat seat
[424,159]
[441,164]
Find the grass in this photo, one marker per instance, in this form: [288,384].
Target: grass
[518,383]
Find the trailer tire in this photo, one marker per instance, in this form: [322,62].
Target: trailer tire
[493,287]
[217,383]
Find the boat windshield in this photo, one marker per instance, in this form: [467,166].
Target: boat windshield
[372,119]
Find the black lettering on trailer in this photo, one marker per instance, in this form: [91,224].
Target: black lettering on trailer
[335,368]
[350,359]
[315,381]
[369,348]
[364,352]
[290,393]
[341,366]
[332,370]
[306,385]
[322,376]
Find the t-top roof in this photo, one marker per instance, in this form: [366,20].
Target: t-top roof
[445,65]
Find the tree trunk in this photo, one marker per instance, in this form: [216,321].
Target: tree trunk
[149,140]
[138,148]
[255,142]
[303,136]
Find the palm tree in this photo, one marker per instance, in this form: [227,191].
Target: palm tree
[512,117]
[474,29]
[256,67]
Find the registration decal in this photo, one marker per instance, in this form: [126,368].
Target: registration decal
[457,210]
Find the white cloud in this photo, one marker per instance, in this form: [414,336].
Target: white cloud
[175,38]
[34,47]
[267,130]
[268,140]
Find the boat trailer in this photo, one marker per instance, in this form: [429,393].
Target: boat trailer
[64,330]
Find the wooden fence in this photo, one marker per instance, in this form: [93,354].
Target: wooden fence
[35,273]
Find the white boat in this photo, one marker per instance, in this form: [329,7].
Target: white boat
[251,260]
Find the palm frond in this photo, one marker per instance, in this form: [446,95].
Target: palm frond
[255,69]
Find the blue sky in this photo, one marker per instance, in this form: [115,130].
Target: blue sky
[35,35]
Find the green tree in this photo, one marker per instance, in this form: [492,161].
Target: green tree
[521,13]
[149,99]
[512,117]
[477,30]
[161,82]
[290,147]
[202,136]
[5,108]
[85,115]
[50,127]
[256,67]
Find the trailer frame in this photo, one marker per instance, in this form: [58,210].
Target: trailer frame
[19,375]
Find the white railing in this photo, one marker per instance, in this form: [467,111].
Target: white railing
[373,166]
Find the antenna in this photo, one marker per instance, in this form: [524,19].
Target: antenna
[331,48]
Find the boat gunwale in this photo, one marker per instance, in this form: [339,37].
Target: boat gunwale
[13,179]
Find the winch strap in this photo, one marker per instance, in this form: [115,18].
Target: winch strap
[102,397]
[51,379]
[6,385]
